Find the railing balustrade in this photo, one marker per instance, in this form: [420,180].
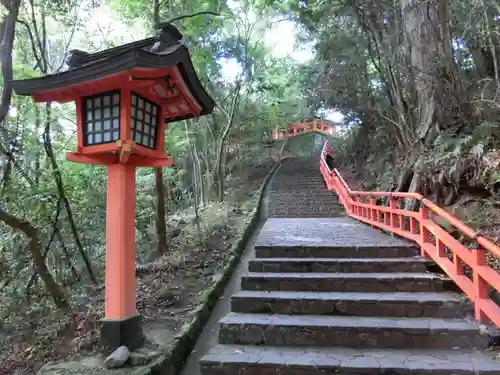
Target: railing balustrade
[465,264]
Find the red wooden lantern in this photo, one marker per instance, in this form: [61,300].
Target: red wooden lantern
[124,96]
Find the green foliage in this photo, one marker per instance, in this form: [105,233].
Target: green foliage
[270,94]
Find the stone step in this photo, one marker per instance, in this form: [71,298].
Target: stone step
[311,170]
[262,251]
[318,204]
[305,166]
[304,200]
[300,177]
[310,165]
[349,265]
[346,282]
[258,360]
[431,305]
[305,207]
[309,195]
[303,174]
[291,182]
[303,215]
[312,195]
[350,331]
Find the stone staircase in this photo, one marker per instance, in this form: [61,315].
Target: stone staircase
[333,296]
[298,190]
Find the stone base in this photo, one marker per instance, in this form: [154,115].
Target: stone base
[127,332]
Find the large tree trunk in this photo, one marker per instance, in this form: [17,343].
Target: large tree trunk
[382,53]
[428,39]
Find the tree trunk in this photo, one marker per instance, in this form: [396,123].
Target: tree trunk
[161,225]
[230,120]
[428,40]
[196,202]
[62,194]
[199,174]
[38,259]
[7,35]
[195,184]
[156,15]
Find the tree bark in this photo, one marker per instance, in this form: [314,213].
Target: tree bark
[7,35]
[431,56]
[161,225]
[62,194]
[195,184]
[199,173]
[428,39]
[230,121]
[36,253]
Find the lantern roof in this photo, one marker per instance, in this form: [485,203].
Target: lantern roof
[156,58]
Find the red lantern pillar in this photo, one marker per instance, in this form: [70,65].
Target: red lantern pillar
[124,96]
[120,246]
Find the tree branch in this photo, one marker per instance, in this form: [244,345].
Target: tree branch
[184,16]
[33,43]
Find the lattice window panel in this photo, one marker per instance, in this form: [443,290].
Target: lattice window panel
[144,121]
[101,118]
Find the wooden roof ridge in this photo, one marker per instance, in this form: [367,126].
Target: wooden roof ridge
[79,57]
[167,37]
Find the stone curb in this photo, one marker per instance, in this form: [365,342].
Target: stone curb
[170,363]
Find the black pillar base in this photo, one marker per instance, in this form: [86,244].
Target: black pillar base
[125,332]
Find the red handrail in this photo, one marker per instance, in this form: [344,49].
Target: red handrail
[296,128]
[420,227]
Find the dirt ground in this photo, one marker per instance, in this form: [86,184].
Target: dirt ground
[168,289]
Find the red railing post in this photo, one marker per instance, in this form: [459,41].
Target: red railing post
[413,225]
[393,205]
[354,206]
[480,285]
[440,248]
[373,211]
[459,269]
[424,233]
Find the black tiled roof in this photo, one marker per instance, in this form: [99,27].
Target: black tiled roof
[161,51]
